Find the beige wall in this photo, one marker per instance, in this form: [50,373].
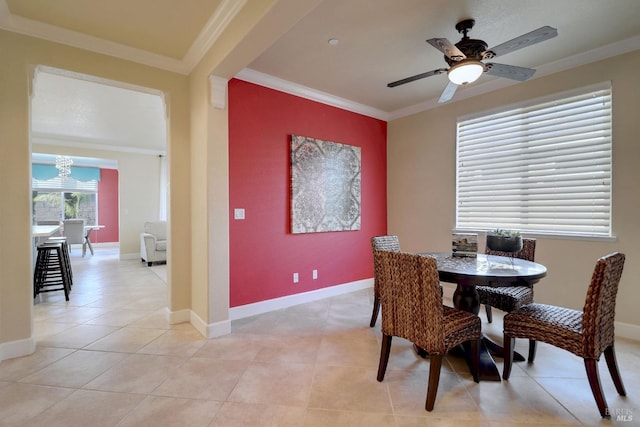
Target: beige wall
[421,182]
[138,192]
[20,54]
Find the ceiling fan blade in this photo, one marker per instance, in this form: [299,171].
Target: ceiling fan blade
[449,49]
[448,92]
[417,77]
[535,36]
[509,71]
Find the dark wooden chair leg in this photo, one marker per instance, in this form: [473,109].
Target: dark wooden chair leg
[376,310]
[487,308]
[435,363]
[384,356]
[596,388]
[532,350]
[508,343]
[612,364]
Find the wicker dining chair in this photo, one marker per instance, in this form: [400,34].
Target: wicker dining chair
[587,333]
[412,308]
[380,243]
[508,298]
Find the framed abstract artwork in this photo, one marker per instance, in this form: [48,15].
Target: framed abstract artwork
[325,186]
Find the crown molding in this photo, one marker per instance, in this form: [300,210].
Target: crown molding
[604,52]
[207,37]
[272,82]
[218,22]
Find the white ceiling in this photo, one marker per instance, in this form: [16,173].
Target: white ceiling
[379,41]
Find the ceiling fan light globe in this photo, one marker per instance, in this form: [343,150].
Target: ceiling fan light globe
[465,72]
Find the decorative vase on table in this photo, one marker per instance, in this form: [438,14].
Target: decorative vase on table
[504,241]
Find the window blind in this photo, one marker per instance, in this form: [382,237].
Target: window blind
[542,167]
[81,173]
[64,184]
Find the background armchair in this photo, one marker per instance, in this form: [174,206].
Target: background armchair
[153,242]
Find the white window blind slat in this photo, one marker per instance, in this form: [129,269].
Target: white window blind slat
[64,184]
[542,167]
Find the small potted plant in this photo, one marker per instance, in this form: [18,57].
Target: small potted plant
[504,240]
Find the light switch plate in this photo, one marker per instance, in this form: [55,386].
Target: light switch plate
[238,213]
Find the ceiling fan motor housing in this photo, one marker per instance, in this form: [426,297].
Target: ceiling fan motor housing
[472,48]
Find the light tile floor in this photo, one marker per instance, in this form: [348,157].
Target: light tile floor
[108,357]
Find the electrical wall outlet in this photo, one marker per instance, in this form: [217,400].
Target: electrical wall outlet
[296,278]
[315,274]
[238,213]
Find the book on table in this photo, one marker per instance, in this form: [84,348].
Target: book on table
[464,244]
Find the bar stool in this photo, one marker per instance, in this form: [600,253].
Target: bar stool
[51,273]
[66,253]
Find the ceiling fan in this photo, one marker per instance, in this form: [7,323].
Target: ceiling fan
[465,58]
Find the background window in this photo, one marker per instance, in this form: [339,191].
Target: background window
[544,167]
[57,198]
[48,206]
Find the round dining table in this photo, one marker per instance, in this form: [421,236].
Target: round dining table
[487,270]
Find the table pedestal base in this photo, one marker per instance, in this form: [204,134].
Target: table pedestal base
[488,369]
[498,351]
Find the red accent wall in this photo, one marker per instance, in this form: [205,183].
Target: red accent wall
[263,252]
[107,207]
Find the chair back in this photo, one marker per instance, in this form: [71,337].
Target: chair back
[385,243]
[600,305]
[74,231]
[528,251]
[382,243]
[411,299]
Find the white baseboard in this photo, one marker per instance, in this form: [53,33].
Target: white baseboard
[627,330]
[106,244]
[291,300]
[130,256]
[18,348]
[211,330]
[179,316]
